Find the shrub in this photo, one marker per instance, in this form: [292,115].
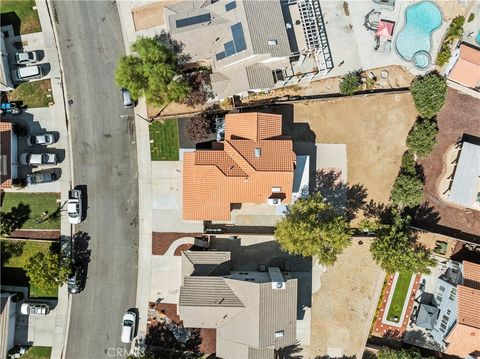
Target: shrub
[471,17]
[455,30]
[429,94]
[198,127]
[407,191]
[198,82]
[350,83]
[408,164]
[444,55]
[422,139]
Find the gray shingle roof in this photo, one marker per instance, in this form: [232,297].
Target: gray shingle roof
[207,292]
[465,181]
[427,315]
[265,22]
[259,76]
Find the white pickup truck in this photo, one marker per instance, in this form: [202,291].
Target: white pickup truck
[74,206]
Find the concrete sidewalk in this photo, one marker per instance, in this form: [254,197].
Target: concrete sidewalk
[58,111]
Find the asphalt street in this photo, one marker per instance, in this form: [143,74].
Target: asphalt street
[104,160]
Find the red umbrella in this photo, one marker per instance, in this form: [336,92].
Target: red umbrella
[385,28]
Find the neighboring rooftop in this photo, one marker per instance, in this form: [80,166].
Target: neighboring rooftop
[464,338]
[254,164]
[466,181]
[254,312]
[5,155]
[467,68]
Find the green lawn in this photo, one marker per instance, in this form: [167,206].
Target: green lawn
[21,15]
[37,353]
[164,140]
[33,94]
[32,206]
[13,272]
[399,295]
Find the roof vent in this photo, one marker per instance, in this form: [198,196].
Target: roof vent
[272,42]
[279,333]
[258,152]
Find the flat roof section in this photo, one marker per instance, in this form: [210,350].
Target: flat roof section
[465,186]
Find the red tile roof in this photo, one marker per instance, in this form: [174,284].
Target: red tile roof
[468,306]
[244,168]
[467,69]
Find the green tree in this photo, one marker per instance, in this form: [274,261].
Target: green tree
[395,246]
[47,271]
[387,353]
[312,227]
[350,83]
[444,55]
[152,70]
[455,30]
[407,191]
[422,139]
[429,93]
[408,164]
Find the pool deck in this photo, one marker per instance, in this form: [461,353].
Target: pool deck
[351,43]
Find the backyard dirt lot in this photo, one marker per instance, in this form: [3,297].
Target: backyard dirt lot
[343,308]
[373,127]
[458,117]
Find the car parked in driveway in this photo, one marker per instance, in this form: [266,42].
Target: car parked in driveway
[128,326]
[36,159]
[26,57]
[41,177]
[29,73]
[34,309]
[43,139]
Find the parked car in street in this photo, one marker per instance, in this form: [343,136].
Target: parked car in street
[41,177]
[127,99]
[27,57]
[74,206]
[128,326]
[43,139]
[76,280]
[34,159]
[29,72]
[35,309]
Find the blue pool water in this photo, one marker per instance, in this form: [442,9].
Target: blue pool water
[421,20]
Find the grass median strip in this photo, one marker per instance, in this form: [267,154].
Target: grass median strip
[164,142]
[399,295]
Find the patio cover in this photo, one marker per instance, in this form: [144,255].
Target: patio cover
[385,28]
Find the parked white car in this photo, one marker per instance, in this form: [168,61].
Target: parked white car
[34,309]
[34,159]
[128,327]
[29,73]
[74,206]
[41,140]
[27,57]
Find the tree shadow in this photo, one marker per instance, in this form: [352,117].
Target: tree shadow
[10,249]
[345,198]
[81,253]
[424,214]
[14,219]
[421,339]
[291,351]
[177,47]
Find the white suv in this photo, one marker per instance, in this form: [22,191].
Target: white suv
[128,327]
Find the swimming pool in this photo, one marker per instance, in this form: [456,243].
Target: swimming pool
[421,20]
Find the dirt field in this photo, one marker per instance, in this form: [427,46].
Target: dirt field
[343,308]
[458,117]
[147,16]
[373,127]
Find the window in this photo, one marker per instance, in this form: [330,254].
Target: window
[443,325]
[453,293]
[441,288]
[438,298]
[449,311]
[230,6]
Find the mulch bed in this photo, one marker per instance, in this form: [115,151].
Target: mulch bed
[161,241]
[41,234]
[208,336]
[181,248]
[458,117]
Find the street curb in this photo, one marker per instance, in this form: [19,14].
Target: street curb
[50,9]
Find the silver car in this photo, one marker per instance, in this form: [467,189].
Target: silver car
[44,139]
[34,159]
[24,58]
[34,309]
[41,177]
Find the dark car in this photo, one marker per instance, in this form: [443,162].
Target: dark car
[41,177]
[76,281]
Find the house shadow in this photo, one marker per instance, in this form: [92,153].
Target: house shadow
[268,253]
[11,18]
